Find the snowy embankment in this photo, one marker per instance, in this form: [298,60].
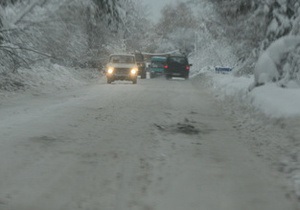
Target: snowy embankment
[45,77]
[270,99]
[268,119]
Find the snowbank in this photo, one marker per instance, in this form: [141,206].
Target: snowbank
[275,64]
[272,100]
[277,102]
[268,119]
[45,77]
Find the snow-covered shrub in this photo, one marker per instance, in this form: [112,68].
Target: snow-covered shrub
[46,77]
[279,63]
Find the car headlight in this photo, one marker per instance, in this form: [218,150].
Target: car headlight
[110,70]
[133,71]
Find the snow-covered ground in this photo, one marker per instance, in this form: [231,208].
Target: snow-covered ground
[157,145]
[270,99]
[268,118]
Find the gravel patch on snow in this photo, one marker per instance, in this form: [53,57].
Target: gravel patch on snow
[267,118]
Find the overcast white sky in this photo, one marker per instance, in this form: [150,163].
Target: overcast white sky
[155,7]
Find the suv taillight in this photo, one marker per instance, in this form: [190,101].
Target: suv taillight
[187,68]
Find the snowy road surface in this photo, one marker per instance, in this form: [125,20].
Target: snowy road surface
[157,145]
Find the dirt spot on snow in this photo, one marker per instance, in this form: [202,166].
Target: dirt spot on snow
[47,140]
[187,127]
[2,202]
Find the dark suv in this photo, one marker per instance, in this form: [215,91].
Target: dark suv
[177,66]
[139,58]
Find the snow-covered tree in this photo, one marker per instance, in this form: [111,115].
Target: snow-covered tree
[280,62]
[134,26]
[176,27]
[252,26]
[71,32]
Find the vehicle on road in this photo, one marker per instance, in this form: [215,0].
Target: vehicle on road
[156,67]
[140,61]
[177,66]
[121,67]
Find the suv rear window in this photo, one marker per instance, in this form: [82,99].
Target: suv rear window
[181,60]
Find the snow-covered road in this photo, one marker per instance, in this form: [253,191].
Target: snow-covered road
[157,145]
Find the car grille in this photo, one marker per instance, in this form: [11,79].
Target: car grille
[122,70]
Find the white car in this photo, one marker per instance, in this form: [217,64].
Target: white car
[121,67]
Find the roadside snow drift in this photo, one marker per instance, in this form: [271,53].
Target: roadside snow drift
[46,77]
[268,119]
[272,100]
[275,64]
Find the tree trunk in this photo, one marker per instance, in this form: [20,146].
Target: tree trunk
[89,28]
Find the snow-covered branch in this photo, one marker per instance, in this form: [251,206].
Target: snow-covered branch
[28,10]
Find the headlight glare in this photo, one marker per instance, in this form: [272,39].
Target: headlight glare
[110,70]
[133,71]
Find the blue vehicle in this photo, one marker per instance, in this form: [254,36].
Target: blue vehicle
[156,67]
[221,69]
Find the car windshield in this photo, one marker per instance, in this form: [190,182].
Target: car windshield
[122,59]
[181,60]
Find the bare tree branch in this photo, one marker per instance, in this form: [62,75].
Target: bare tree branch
[8,30]
[27,49]
[13,57]
[28,10]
